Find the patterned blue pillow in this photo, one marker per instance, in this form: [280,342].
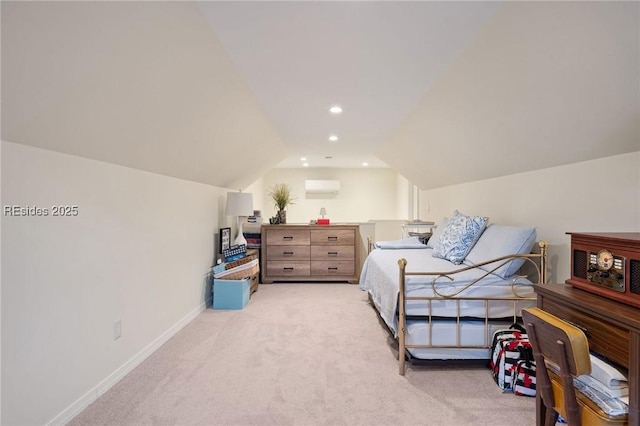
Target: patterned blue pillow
[459,236]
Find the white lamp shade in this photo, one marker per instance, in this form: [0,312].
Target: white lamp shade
[323,211]
[239,204]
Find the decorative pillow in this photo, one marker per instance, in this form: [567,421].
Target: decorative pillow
[500,240]
[458,237]
[437,232]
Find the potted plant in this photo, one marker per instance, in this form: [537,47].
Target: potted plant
[281,196]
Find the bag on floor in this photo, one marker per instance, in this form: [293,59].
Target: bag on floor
[524,377]
[508,357]
[509,347]
[516,331]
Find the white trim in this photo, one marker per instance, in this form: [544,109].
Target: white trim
[83,402]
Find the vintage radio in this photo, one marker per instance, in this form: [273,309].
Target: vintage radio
[607,264]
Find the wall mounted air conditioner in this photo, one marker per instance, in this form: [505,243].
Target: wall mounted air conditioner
[322,186]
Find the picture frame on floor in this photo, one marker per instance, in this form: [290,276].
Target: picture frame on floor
[225,238]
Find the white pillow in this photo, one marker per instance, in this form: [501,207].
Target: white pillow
[437,232]
[459,236]
[500,240]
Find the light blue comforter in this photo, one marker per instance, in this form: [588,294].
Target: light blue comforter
[380,278]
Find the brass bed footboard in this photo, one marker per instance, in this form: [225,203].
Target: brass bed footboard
[537,260]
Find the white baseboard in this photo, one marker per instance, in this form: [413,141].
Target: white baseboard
[83,402]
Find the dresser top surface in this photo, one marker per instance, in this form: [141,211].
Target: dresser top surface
[599,306]
[622,236]
[310,226]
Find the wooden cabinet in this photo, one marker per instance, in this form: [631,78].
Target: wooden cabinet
[309,253]
[613,330]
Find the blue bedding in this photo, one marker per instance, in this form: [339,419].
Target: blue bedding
[380,278]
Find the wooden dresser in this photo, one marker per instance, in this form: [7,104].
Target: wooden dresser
[613,330]
[309,253]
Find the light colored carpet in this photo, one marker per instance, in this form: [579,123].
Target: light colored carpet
[299,354]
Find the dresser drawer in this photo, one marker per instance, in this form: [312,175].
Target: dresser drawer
[288,269]
[603,337]
[328,236]
[332,267]
[331,252]
[310,253]
[284,236]
[287,252]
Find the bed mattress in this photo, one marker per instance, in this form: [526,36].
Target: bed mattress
[444,333]
[380,278]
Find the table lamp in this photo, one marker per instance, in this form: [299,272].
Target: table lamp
[323,221]
[239,204]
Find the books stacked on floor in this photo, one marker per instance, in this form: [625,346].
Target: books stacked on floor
[251,229]
[606,385]
[255,218]
[254,240]
[234,252]
[237,264]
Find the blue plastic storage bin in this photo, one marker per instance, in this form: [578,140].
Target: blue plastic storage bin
[230,294]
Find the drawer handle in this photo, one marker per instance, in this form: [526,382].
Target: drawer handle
[288,268]
[332,238]
[332,269]
[287,253]
[332,253]
[287,238]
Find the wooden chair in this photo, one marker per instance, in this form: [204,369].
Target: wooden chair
[558,342]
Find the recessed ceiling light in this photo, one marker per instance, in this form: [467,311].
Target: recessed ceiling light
[333,138]
[305,164]
[336,109]
[303,158]
[365,164]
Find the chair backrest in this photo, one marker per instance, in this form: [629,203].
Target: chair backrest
[565,345]
[549,330]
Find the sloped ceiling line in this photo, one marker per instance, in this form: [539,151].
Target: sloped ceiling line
[221,92]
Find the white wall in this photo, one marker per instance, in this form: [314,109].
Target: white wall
[258,191]
[594,196]
[365,194]
[143,84]
[142,243]
[138,251]
[403,188]
[376,199]
[545,83]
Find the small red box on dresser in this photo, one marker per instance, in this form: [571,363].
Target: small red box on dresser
[607,264]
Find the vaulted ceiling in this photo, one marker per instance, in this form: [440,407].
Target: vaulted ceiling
[222,92]
[375,59]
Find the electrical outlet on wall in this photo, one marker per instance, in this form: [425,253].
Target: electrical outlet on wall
[117,329]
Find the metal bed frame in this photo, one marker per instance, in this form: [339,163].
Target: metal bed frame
[538,260]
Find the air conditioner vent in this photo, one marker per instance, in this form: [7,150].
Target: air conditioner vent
[322,186]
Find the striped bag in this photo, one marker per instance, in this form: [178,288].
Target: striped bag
[509,346]
[524,377]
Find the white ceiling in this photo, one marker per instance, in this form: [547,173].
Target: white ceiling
[443,92]
[375,59]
